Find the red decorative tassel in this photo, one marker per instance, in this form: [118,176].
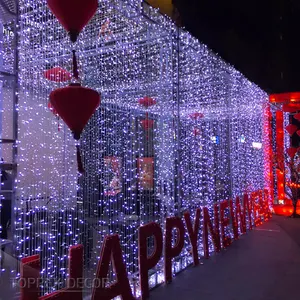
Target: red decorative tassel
[75,65]
[79,160]
[58,126]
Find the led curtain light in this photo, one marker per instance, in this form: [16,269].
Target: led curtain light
[8,95]
[195,150]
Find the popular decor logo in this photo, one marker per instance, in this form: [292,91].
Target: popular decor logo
[252,212]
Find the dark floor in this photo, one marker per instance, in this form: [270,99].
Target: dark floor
[263,265]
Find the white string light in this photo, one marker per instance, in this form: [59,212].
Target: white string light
[128,53]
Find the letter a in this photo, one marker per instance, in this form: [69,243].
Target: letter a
[111,250]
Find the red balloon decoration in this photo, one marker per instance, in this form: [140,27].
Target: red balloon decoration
[291,152]
[291,129]
[57,74]
[73,14]
[297,116]
[298,132]
[75,105]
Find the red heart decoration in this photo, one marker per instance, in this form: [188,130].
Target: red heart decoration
[297,116]
[291,129]
[291,152]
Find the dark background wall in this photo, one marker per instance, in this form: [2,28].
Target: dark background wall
[260,38]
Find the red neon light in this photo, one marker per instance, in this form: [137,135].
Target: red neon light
[286,209]
[280,154]
[292,107]
[285,97]
[268,152]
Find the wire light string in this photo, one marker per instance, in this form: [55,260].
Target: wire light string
[133,175]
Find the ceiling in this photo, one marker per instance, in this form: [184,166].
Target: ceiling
[258,37]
